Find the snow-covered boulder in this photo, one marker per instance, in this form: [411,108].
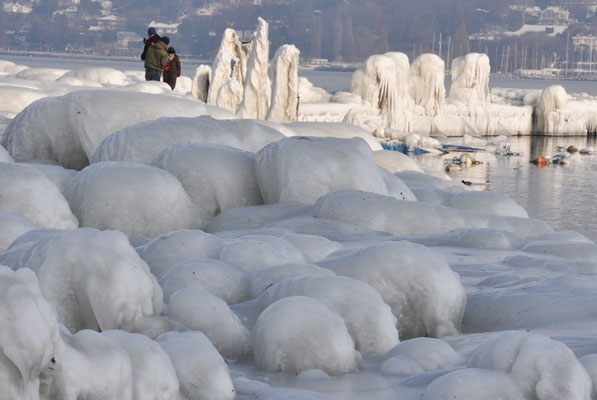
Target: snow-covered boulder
[216,178]
[30,336]
[154,376]
[15,99]
[291,171]
[368,319]
[332,130]
[4,156]
[424,293]
[135,199]
[143,142]
[395,161]
[202,372]
[93,279]
[11,227]
[68,129]
[266,278]
[174,247]
[55,173]
[313,247]
[222,280]
[102,75]
[26,191]
[419,355]
[199,310]
[299,333]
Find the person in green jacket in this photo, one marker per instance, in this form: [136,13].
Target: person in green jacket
[156,59]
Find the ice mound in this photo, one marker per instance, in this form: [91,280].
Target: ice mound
[416,356]
[424,293]
[368,319]
[8,67]
[514,303]
[569,251]
[427,83]
[216,178]
[266,278]
[202,372]
[102,75]
[256,216]
[474,384]
[15,99]
[395,161]
[255,252]
[313,247]
[89,365]
[55,173]
[199,310]
[143,142]
[333,130]
[135,199]
[300,333]
[470,79]
[154,376]
[174,247]
[93,279]
[30,335]
[485,202]
[222,280]
[543,368]
[420,180]
[26,191]
[4,156]
[475,238]
[11,227]
[311,94]
[41,74]
[283,168]
[72,80]
[410,218]
[68,129]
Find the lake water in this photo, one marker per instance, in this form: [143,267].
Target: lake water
[562,196]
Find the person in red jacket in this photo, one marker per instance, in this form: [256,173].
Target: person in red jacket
[172,70]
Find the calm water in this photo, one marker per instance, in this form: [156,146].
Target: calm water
[563,196]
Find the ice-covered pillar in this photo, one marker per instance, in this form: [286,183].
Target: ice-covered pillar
[255,101]
[404,109]
[227,65]
[284,100]
[549,110]
[427,83]
[470,79]
[200,86]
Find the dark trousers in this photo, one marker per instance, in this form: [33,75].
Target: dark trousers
[152,74]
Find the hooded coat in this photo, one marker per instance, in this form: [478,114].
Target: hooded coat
[157,56]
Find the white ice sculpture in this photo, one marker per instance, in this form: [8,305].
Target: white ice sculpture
[200,86]
[227,64]
[256,95]
[470,79]
[284,104]
[427,83]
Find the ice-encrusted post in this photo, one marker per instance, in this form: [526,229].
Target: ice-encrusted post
[200,86]
[548,113]
[284,103]
[227,65]
[255,101]
[427,83]
[470,79]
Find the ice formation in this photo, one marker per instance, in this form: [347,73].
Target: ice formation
[424,293]
[427,83]
[256,98]
[104,76]
[299,333]
[12,225]
[419,355]
[93,279]
[200,85]
[470,79]
[285,88]
[255,252]
[136,199]
[26,191]
[228,65]
[266,278]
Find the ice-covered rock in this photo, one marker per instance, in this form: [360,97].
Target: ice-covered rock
[283,168]
[228,64]
[395,161]
[416,356]
[154,377]
[222,280]
[15,99]
[424,293]
[102,75]
[308,93]
[216,178]
[299,333]
[135,199]
[199,310]
[143,142]
[41,74]
[68,129]
[266,278]
[177,246]
[26,191]
[333,130]
[11,227]
[202,372]
[313,247]
[368,319]
[93,279]
[30,336]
